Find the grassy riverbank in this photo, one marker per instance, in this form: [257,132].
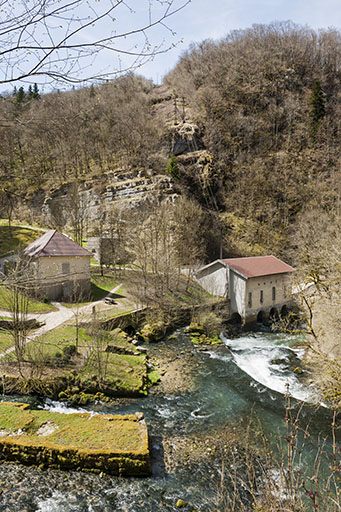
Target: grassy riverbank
[78,365]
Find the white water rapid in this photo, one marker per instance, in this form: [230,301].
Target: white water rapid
[270,361]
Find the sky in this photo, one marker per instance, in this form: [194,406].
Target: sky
[199,20]
[214,19]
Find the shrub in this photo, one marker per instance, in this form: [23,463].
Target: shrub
[69,351]
[209,323]
[173,168]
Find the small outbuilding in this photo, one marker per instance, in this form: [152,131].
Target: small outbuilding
[102,249]
[61,267]
[256,286]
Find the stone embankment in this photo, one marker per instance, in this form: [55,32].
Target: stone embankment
[115,445]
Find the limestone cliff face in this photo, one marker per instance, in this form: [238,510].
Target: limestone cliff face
[133,188]
[122,189]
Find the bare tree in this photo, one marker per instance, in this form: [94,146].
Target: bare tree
[7,202]
[98,356]
[77,297]
[319,245]
[16,288]
[59,41]
[77,209]
[163,238]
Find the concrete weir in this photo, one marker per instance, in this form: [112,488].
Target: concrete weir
[116,445]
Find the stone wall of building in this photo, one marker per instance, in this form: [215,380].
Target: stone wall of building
[62,277]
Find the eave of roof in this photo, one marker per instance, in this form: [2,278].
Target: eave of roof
[254,266]
[258,266]
[211,264]
[52,243]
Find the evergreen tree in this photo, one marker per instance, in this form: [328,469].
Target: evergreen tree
[36,94]
[92,91]
[20,96]
[173,168]
[30,92]
[15,91]
[317,104]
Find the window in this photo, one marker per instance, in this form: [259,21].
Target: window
[65,268]
[273,293]
[250,300]
[261,298]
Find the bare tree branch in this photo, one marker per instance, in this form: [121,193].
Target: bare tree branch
[53,40]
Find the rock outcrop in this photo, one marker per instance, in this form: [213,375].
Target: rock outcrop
[103,189]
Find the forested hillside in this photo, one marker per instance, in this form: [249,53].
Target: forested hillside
[268,100]
[254,122]
[56,137]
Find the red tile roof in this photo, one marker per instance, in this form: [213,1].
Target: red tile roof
[257,266]
[53,243]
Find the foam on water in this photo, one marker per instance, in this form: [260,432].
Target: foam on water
[254,355]
[51,405]
[221,357]
[164,411]
[58,502]
[197,413]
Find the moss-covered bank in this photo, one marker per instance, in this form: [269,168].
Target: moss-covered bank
[107,376]
[161,323]
[116,445]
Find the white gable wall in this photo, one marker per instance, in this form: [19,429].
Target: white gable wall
[52,268]
[214,279]
[237,293]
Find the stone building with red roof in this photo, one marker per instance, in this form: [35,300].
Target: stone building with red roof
[256,287]
[61,267]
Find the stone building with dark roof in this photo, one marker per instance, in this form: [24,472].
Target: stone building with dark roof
[61,267]
[256,287]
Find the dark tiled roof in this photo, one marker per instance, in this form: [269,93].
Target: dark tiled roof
[53,243]
[257,266]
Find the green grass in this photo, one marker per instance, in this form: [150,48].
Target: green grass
[97,292]
[124,372]
[6,340]
[100,287]
[34,306]
[113,313]
[15,238]
[64,335]
[120,371]
[106,282]
[122,433]
[67,334]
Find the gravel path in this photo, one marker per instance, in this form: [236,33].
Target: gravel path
[55,318]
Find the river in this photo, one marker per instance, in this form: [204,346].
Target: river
[248,374]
